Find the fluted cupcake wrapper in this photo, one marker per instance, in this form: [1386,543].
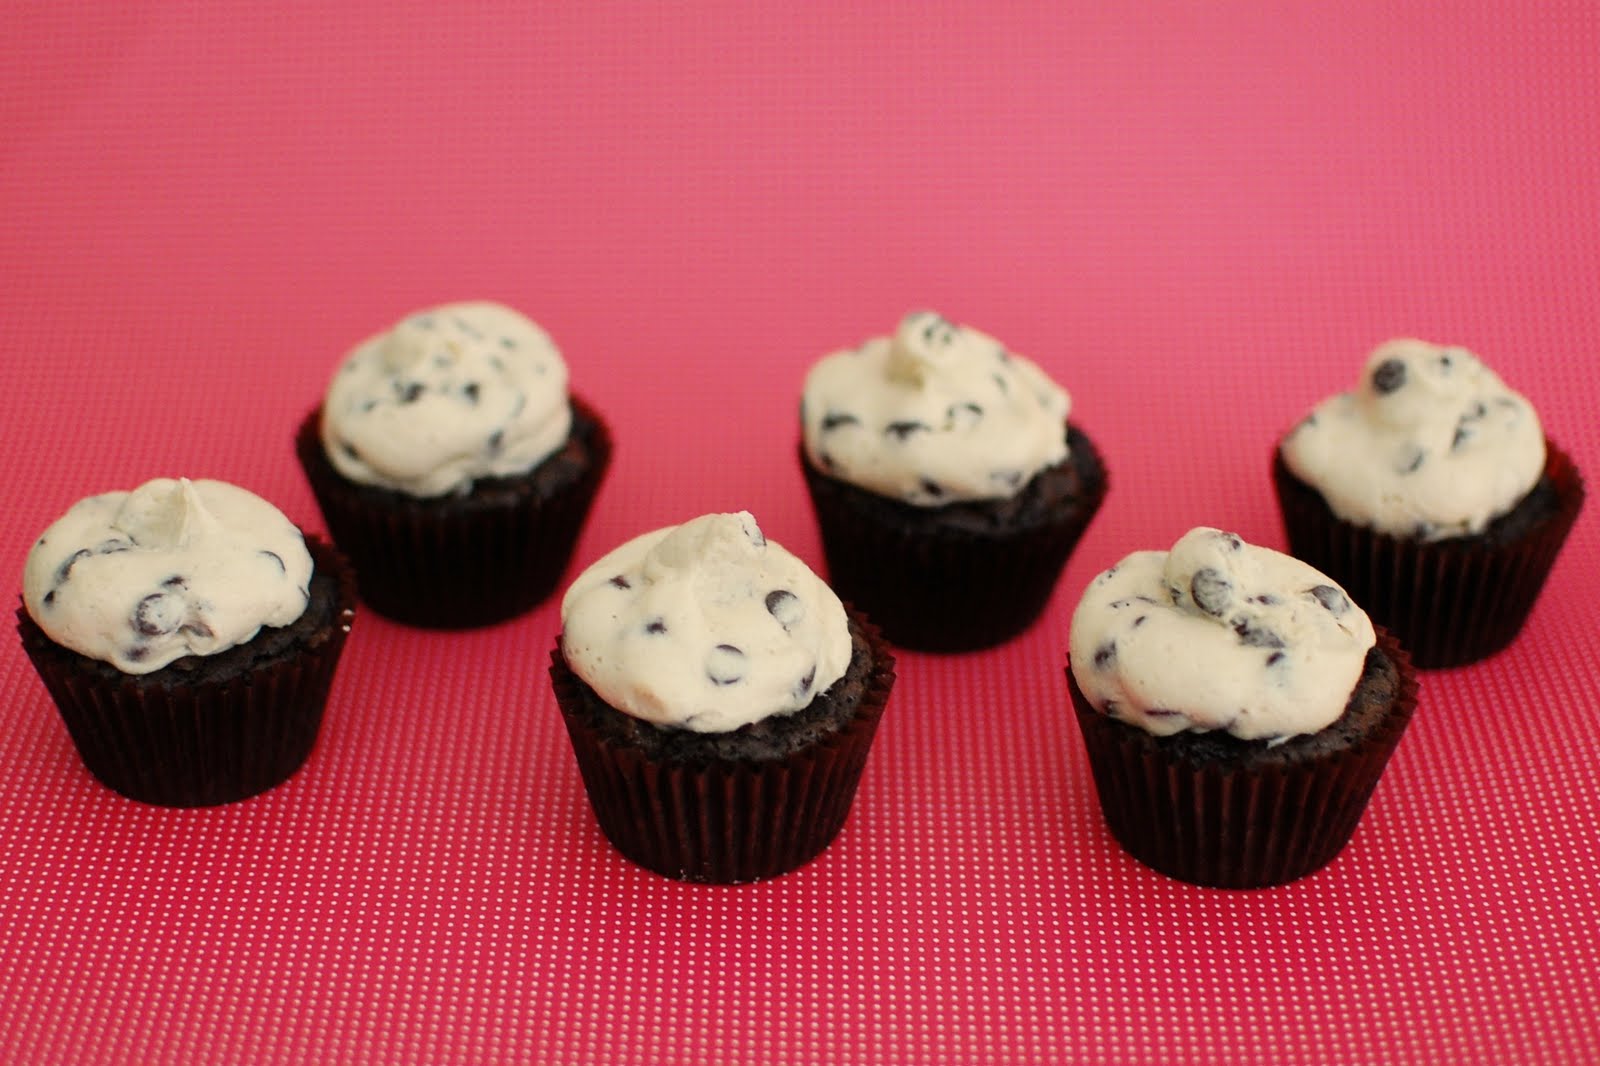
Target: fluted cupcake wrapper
[457,562]
[1452,601]
[724,822]
[1207,824]
[170,739]
[945,590]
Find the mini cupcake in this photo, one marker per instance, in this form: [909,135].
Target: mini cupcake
[453,467]
[948,485]
[188,635]
[720,700]
[1433,495]
[1237,709]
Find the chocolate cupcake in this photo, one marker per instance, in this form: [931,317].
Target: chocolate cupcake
[948,485]
[188,635]
[453,467]
[1431,492]
[720,700]
[1236,707]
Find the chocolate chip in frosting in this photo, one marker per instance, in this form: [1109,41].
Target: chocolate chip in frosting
[931,487]
[1334,601]
[65,569]
[964,415]
[495,442]
[1256,636]
[1211,591]
[902,430]
[802,688]
[470,391]
[1388,376]
[158,614]
[656,626]
[785,606]
[621,582]
[725,665]
[837,419]
[411,393]
[1105,655]
[1275,658]
[1410,460]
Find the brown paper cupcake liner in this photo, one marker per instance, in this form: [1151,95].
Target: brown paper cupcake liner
[939,587]
[1454,601]
[198,733]
[724,821]
[1222,826]
[462,561]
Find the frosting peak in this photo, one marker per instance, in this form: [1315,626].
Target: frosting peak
[934,414]
[165,514]
[175,567]
[1430,444]
[705,626]
[1218,634]
[447,396]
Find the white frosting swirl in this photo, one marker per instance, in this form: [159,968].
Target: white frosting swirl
[1218,634]
[705,626]
[1431,444]
[449,395]
[173,568]
[935,414]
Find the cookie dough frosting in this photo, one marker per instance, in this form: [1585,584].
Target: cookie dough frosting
[705,626]
[1218,634]
[935,414]
[1431,444]
[449,395]
[173,568]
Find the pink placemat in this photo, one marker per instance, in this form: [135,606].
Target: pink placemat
[1198,219]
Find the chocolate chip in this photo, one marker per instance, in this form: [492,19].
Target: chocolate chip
[350,451]
[1211,591]
[803,688]
[725,665]
[1105,655]
[1388,376]
[50,598]
[1410,461]
[1463,434]
[65,569]
[157,614]
[785,606]
[939,331]
[138,653]
[1336,602]
[1275,658]
[932,488]
[1266,599]
[1231,541]
[834,419]
[1000,381]
[1137,622]
[902,430]
[411,393]
[827,461]
[965,415]
[496,441]
[1255,636]
[655,626]
[470,391]
[275,557]
[621,582]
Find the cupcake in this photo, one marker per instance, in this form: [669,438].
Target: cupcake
[948,485]
[1237,709]
[453,467]
[1433,495]
[188,635]
[720,700]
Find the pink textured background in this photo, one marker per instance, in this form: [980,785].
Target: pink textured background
[1198,217]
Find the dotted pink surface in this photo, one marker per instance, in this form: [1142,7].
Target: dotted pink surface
[1199,219]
